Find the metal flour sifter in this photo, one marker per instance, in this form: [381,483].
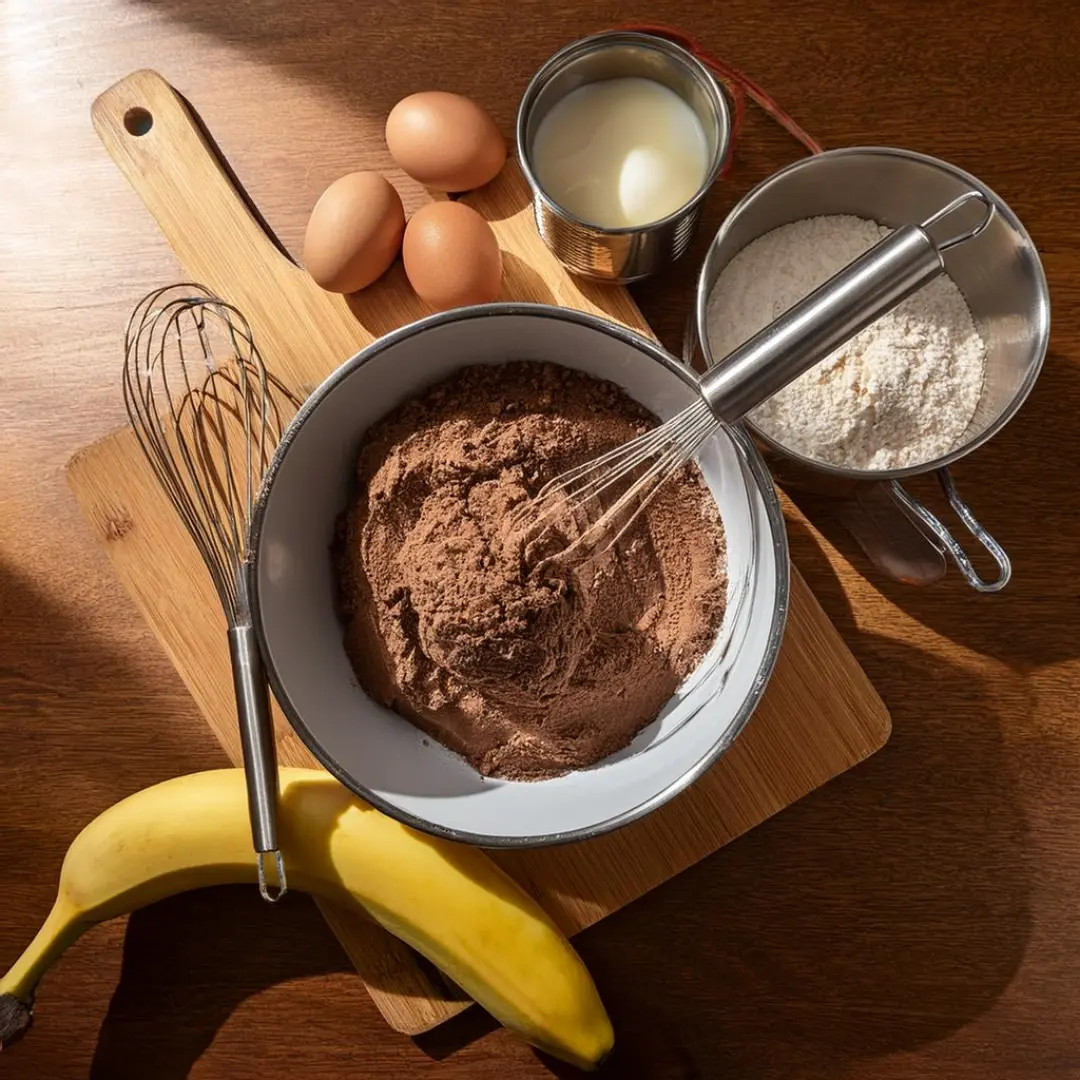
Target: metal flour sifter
[594,503]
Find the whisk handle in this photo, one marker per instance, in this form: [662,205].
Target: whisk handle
[256,740]
[829,317]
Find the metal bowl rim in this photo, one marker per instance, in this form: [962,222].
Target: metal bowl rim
[773,514]
[1001,207]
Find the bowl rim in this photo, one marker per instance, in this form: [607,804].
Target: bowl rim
[1002,208]
[779,547]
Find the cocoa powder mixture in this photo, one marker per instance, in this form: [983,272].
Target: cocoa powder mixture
[525,667]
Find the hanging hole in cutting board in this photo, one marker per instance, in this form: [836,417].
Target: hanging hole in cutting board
[138,121]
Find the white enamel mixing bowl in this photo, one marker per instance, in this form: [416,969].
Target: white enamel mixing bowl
[384,758]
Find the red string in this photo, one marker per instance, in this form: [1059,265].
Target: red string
[738,85]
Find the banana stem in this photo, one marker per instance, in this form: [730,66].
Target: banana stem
[17,987]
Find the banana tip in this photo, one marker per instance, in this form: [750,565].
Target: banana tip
[15,1018]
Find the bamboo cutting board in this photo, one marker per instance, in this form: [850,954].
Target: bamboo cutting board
[819,717]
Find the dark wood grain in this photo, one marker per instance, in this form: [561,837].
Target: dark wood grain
[915,919]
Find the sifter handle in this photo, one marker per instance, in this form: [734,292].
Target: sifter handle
[832,314]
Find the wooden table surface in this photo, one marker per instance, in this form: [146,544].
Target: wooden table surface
[918,918]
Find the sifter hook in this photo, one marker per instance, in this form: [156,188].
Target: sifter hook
[968,234]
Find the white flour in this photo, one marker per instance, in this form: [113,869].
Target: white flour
[900,393]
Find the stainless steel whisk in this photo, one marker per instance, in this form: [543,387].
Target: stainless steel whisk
[208,416]
[600,499]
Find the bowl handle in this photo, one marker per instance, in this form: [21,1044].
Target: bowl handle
[920,514]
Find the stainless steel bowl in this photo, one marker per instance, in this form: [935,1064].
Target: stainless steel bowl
[381,756]
[621,255]
[999,274]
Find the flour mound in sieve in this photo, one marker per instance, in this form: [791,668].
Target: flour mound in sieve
[900,393]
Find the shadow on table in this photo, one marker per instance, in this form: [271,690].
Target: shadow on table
[190,961]
[881,913]
[50,671]
[421,45]
[58,686]
[83,724]
[1023,486]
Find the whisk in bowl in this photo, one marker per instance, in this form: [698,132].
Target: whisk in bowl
[593,504]
[208,416]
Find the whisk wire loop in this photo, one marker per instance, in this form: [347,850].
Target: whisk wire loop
[199,397]
[605,496]
[208,417]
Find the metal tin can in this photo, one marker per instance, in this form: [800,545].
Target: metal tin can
[628,254]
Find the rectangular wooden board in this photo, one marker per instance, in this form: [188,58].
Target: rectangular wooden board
[819,716]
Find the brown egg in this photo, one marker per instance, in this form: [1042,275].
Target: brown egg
[451,256]
[446,141]
[354,233]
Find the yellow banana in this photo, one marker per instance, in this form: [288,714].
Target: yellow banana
[448,901]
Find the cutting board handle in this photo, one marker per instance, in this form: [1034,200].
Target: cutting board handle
[161,148]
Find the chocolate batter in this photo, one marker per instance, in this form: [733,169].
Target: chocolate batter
[526,668]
